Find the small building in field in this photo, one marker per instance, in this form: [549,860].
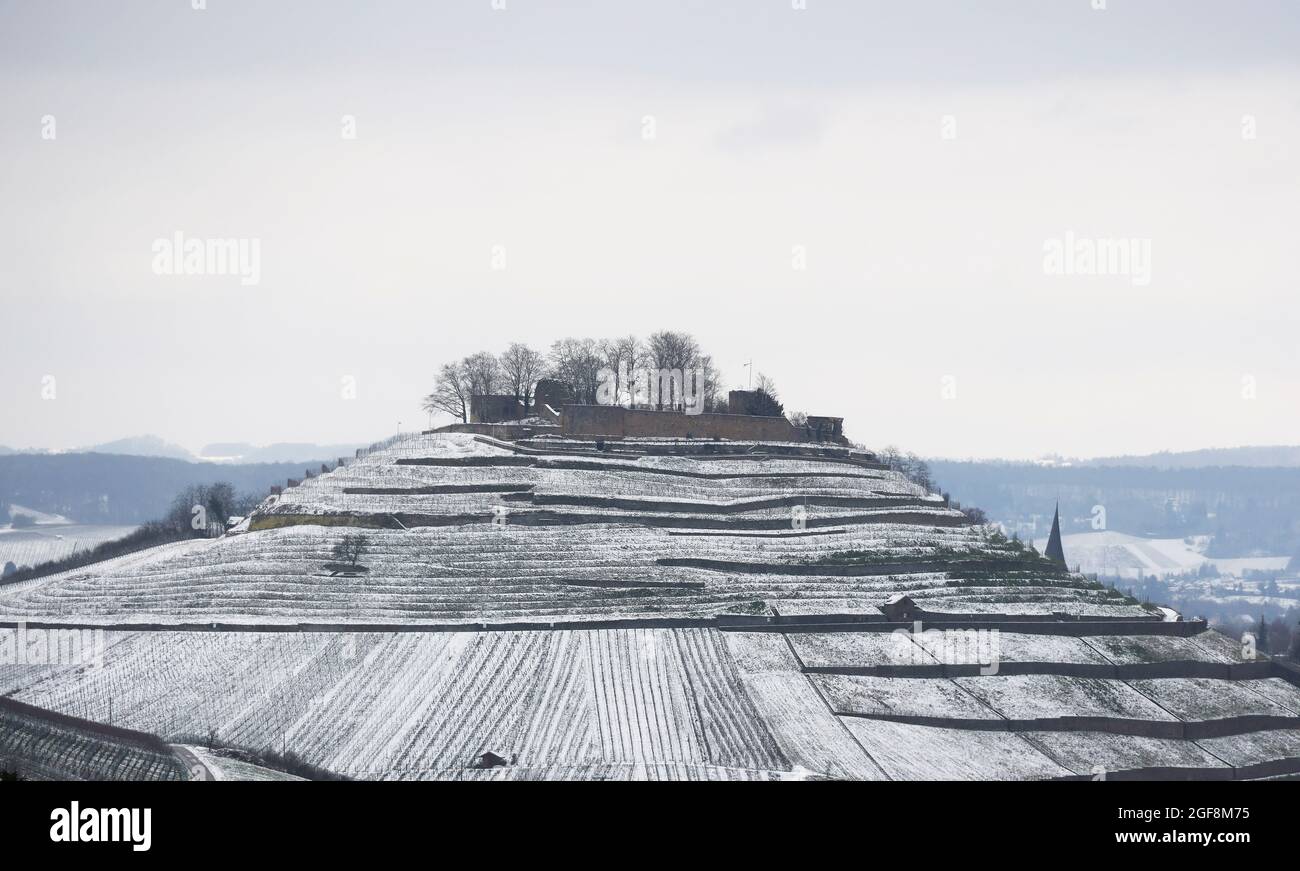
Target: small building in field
[899,608]
[489,759]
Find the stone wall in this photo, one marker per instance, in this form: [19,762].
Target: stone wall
[616,422]
[499,430]
[550,394]
[826,429]
[739,400]
[495,408]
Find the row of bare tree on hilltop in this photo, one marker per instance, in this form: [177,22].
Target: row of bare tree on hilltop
[579,364]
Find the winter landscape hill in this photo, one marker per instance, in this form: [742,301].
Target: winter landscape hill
[452,605]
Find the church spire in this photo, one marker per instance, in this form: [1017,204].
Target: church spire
[1055,552]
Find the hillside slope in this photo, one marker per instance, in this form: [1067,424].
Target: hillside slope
[656,610]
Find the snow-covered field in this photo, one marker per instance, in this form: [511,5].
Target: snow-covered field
[426,704]
[471,573]
[52,541]
[225,768]
[494,562]
[1117,554]
[663,703]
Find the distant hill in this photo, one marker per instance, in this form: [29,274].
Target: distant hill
[142,446]
[280,452]
[1268,455]
[1246,510]
[122,489]
[217,452]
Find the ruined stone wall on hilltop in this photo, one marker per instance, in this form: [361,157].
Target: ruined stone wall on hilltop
[617,422]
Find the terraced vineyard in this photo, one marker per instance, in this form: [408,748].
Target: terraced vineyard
[656,609]
[35,745]
[425,704]
[609,539]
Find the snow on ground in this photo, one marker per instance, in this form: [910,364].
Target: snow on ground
[909,752]
[415,705]
[227,768]
[1023,647]
[1202,698]
[36,516]
[1129,649]
[1255,747]
[899,697]
[1239,566]
[46,542]
[492,562]
[809,736]
[857,649]
[469,573]
[1117,554]
[1102,755]
[1037,696]
[38,747]
[635,702]
[130,562]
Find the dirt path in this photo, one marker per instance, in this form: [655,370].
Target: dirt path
[195,766]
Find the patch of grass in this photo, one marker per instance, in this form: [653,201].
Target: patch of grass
[756,607]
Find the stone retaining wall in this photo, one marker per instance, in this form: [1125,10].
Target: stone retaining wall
[617,422]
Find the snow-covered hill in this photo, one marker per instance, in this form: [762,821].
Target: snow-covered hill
[655,609]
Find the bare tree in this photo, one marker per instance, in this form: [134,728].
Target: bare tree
[668,349]
[205,508]
[910,465]
[712,393]
[451,392]
[521,366]
[618,354]
[577,363]
[483,373]
[351,548]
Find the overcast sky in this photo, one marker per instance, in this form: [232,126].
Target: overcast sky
[651,164]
